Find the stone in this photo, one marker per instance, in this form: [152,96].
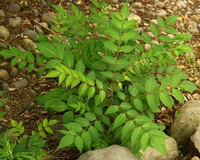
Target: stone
[185,122]
[44,24]
[14,8]
[29,44]
[198,26]
[162,13]
[32,35]
[39,30]
[195,158]
[192,27]
[195,18]
[50,157]
[188,13]
[5,85]
[137,5]
[4,32]
[36,12]
[14,72]
[48,17]
[4,64]
[44,3]
[181,4]
[160,4]
[15,22]
[2,14]
[172,151]
[4,75]
[114,152]
[195,138]
[3,46]
[135,17]
[154,21]
[20,83]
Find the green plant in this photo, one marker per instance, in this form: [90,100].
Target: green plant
[111,86]
[2,102]
[15,145]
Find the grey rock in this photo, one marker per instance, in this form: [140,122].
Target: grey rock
[50,157]
[14,72]
[20,84]
[137,4]
[36,12]
[14,8]
[192,27]
[195,138]
[15,22]
[29,45]
[185,122]
[135,17]
[44,3]
[3,46]
[5,85]
[114,152]
[195,18]
[4,32]
[160,4]
[154,21]
[34,36]
[188,13]
[48,17]
[181,4]
[198,26]
[2,14]
[4,75]
[44,24]
[195,158]
[162,13]
[172,152]
[39,30]
[4,64]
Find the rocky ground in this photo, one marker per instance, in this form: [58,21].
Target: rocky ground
[21,22]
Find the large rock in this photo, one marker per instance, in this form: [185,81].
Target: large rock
[29,44]
[20,83]
[34,36]
[172,152]
[15,22]
[185,122]
[113,152]
[14,8]
[4,75]
[196,138]
[48,17]
[4,32]
[2,14]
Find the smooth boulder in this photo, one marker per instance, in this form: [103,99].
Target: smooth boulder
[185,122]
[114,152]
[172,151]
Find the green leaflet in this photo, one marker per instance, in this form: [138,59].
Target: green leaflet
[112,109]
[127,129]
[86,139]
[119,120]
[66,141]
[178,95]
[78,143]
[166,99]
[136,135]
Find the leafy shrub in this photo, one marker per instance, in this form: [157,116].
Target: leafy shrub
[111,85]
[14,144]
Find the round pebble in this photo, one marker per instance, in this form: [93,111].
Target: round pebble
[14,8]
